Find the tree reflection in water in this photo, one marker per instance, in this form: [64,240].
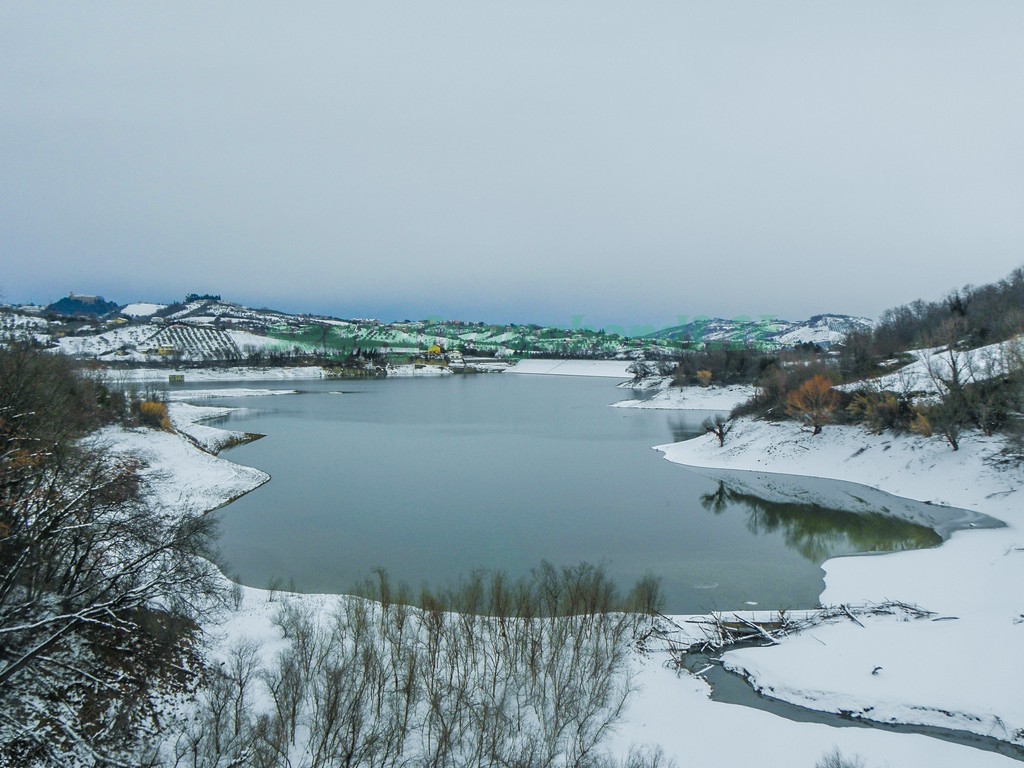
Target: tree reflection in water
[819,533]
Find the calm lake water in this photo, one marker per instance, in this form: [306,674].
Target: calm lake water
[431,478]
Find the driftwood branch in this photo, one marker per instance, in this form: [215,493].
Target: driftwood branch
[853,618]
[759,629]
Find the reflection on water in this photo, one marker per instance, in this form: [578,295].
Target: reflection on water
[683,429]
[817,532]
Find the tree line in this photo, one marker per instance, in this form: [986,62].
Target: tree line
[962,387]
[99,589]
[983,315]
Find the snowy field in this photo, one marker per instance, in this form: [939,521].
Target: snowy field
[142,309]
[960,669]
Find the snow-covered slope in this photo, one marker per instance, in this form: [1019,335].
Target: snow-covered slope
[934,365]
[127,338]
[141,309]
[823,330]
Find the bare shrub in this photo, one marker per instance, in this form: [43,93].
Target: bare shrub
[528,673]
[719,426]
[237,592]
[223,731]
[835,759]
[880,411]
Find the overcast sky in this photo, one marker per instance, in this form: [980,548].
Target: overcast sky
[626,162]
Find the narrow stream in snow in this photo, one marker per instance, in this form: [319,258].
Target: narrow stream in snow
[731,688]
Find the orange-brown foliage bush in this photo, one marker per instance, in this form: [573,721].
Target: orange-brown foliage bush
[154,414]
[814,402]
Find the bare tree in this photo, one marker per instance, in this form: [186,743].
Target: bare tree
[952,371]
[98,590]
[719,426]
[835,759]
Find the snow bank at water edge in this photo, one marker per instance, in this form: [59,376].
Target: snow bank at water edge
[848,497]
[402,371]
[213,394]
[961,669]
[694,398]
[673,711]
[142,375]
[189,419]
[180,477]
[614,369]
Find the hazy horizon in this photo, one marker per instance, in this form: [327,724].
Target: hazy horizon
[512,162]
[398,314]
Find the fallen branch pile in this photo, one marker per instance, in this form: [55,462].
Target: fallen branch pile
[719,630]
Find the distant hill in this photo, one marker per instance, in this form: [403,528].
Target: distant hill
[206,328]
[822,330]
[78,304]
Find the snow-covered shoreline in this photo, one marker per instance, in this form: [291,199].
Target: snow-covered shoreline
[613,369]
[694,398]
[192,375]
[673,710]
[890,670]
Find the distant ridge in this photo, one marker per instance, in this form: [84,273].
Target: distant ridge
[75,304]
[822,330]
[204,328]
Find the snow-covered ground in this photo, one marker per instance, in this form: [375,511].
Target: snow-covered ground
[213,394]
[108,342]
[615,369]
[933,365]
[672,711]
[142,309]
[963,671]
[179,476]
[144,375]
[14,325]
[694,398]
[417,370]
[246,341]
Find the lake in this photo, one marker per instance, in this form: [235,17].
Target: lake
[432,478]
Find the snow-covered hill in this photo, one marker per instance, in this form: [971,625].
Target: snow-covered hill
[822,330]
[209,329]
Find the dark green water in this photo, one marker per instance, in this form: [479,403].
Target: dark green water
[432,478]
